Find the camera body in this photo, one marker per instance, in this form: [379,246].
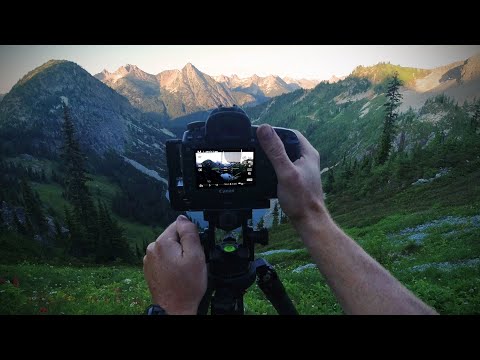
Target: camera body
[219,164]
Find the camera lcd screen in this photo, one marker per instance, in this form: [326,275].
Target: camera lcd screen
[224,168]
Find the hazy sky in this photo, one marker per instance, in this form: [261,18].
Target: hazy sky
[298,61]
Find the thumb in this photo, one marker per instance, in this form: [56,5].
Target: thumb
[275,150]
[188,234]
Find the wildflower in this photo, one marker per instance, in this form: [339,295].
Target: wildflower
[43,310]
[127,281]
[15,281]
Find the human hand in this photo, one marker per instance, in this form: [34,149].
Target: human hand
[175,269]
[299,184]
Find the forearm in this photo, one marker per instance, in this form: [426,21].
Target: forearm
[360,284]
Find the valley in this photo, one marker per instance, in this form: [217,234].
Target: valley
[417,213]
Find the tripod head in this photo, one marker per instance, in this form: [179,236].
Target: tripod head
[232,268]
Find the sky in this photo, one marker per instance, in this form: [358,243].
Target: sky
[298,61]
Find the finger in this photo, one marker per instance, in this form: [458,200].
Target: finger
[188,234]
[169,234]
[167,242]
[275,150]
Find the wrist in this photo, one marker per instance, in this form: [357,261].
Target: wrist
[183,312]
[312,213]
[173,309]
[316,225]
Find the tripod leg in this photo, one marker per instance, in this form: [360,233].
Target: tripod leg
[269,282]
[205,303]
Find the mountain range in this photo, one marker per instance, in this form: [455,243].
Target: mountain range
[345,118]
[120,111]
[175,93]
[31,115]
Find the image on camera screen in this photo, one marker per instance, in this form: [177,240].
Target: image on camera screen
[217,168]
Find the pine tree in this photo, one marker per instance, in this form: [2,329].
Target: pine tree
[75,236]
[59,239]
[329,183]
[475,120]
[43,176]
[103,247]
[393,101]
[139,253]
[18,225]
[275,215]
[76,190]
[74,162]
[261,223]
[111,243]
[34,216]
[120,247]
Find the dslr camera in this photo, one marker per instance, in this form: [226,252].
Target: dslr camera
[219,164]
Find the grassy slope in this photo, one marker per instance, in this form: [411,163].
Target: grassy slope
[101,189]
[375,223]
[122,290]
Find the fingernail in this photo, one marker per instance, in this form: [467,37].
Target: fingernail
[182,217]
[265,131]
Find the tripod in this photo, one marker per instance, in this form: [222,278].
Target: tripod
[232,267]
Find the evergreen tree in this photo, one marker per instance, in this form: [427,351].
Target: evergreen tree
[120,247]
[34,216]
[139,253]
[111,243]
[475,120]
[75,235]
[43,176]
[275,215]
[76,190]
[103,247]
[393,101]
[74,163]
[329,183]
[18,225]
[261,224]
[59,239]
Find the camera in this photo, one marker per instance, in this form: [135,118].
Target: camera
[219,164]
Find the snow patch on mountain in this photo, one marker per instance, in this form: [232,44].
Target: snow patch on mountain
[167,132]
[145,170]
[344,97]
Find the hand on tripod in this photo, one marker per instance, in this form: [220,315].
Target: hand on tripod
[175,268]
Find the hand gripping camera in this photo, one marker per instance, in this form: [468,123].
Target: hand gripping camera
[219,167]
[219,164]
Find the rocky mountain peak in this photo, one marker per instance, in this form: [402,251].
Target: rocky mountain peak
[181,92]
[35,103]
[130,67]
[334,79]
[190,69]
[471,68]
